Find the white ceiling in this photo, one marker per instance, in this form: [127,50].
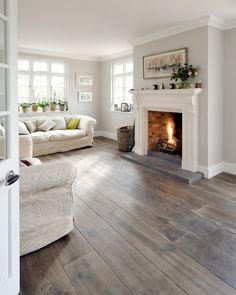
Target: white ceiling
[99,28]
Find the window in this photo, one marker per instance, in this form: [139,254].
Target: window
[41,79]
[122,82]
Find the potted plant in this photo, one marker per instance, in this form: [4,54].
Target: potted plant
[24,107]
[184,74]
[34,107]
[44,105]
[62,105]
[53,106]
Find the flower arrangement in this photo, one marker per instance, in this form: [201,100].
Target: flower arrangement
[184,74]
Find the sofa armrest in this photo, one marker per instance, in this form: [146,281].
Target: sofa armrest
[37,178]
[87,123]
[25,146]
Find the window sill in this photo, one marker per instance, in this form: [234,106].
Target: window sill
[38,114]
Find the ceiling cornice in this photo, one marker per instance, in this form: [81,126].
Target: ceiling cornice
[58,54]
[117,55]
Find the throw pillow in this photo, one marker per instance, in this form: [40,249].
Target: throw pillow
[23,129]
[60,123]
[31,125]
[74,122]
[47,125]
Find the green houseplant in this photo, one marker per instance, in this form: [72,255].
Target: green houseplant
[184,74]
[43,104]
[25,107]
[53,106]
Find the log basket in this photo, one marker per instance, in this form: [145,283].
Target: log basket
[124,135]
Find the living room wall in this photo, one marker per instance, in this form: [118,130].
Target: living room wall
[85,67]
[230,98]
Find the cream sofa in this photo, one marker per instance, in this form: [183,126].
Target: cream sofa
[59,139]
[46,204]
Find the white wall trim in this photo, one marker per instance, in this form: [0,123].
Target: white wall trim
[117,55]
[211,171]
[105,134]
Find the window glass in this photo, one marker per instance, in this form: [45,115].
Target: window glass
[3,141]
[129,68]
[40,86]
[3,106]
[58,87]
[118,69]
[40,66]
[2,42]
[57,68]
[23,65]
[23,88]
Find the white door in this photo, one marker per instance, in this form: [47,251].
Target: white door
[9,190]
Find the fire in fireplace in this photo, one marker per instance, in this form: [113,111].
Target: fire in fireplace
[165,132]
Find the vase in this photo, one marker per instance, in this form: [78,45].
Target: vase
[44,109]
[53,107]
[34,108]
[25,110]
[184,84]
[62,107]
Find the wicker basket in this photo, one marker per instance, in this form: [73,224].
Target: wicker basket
[123,138]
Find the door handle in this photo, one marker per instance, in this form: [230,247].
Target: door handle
[11,178]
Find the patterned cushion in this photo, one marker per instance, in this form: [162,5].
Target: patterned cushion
[47,125]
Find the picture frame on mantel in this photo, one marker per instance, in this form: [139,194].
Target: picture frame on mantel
[161,65]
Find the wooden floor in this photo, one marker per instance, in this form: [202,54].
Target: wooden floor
[137,232]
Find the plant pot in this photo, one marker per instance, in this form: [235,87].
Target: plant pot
[184,84]
[45,109]
[24,110]
[34,107]
[53,107]
[62,107]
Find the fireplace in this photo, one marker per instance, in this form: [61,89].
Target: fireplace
[182,106]
[165,132]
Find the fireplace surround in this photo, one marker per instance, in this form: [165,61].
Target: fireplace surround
[184,101]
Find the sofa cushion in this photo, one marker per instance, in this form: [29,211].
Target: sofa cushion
[60,123]
[47,125]
[39,137]
[2,130]
[62,135]
[23,129]
[31,125]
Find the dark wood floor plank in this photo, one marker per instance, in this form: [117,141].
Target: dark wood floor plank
[227,177]
[41,273]
[175,264]
[91,276]
[71,247]
[219,263]
[133,269]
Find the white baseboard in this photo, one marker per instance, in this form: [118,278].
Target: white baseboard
[230,168]
[211,171]
[105,134]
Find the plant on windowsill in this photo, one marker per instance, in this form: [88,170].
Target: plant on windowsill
[34,107]
[53,106]
[43,104]
[184,74]
[62,105]
[25,107]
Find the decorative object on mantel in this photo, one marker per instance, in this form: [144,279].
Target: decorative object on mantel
[183,74]
[198,84]
[155,86]
[163,64]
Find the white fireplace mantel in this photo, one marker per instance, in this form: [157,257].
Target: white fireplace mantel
[183,101]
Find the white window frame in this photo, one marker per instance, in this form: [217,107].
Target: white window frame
[123,75]
[47,73]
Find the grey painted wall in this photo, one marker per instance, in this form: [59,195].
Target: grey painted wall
[197,43]
[230,96]
[85,67]
[110,121]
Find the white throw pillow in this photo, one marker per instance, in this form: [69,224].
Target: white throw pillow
[60,123]
[47,125]
[23,129]
[31,125]
[2,130]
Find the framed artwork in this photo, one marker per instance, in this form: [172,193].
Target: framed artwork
[85,96]
[84,80]
[124,107]
[161,65]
